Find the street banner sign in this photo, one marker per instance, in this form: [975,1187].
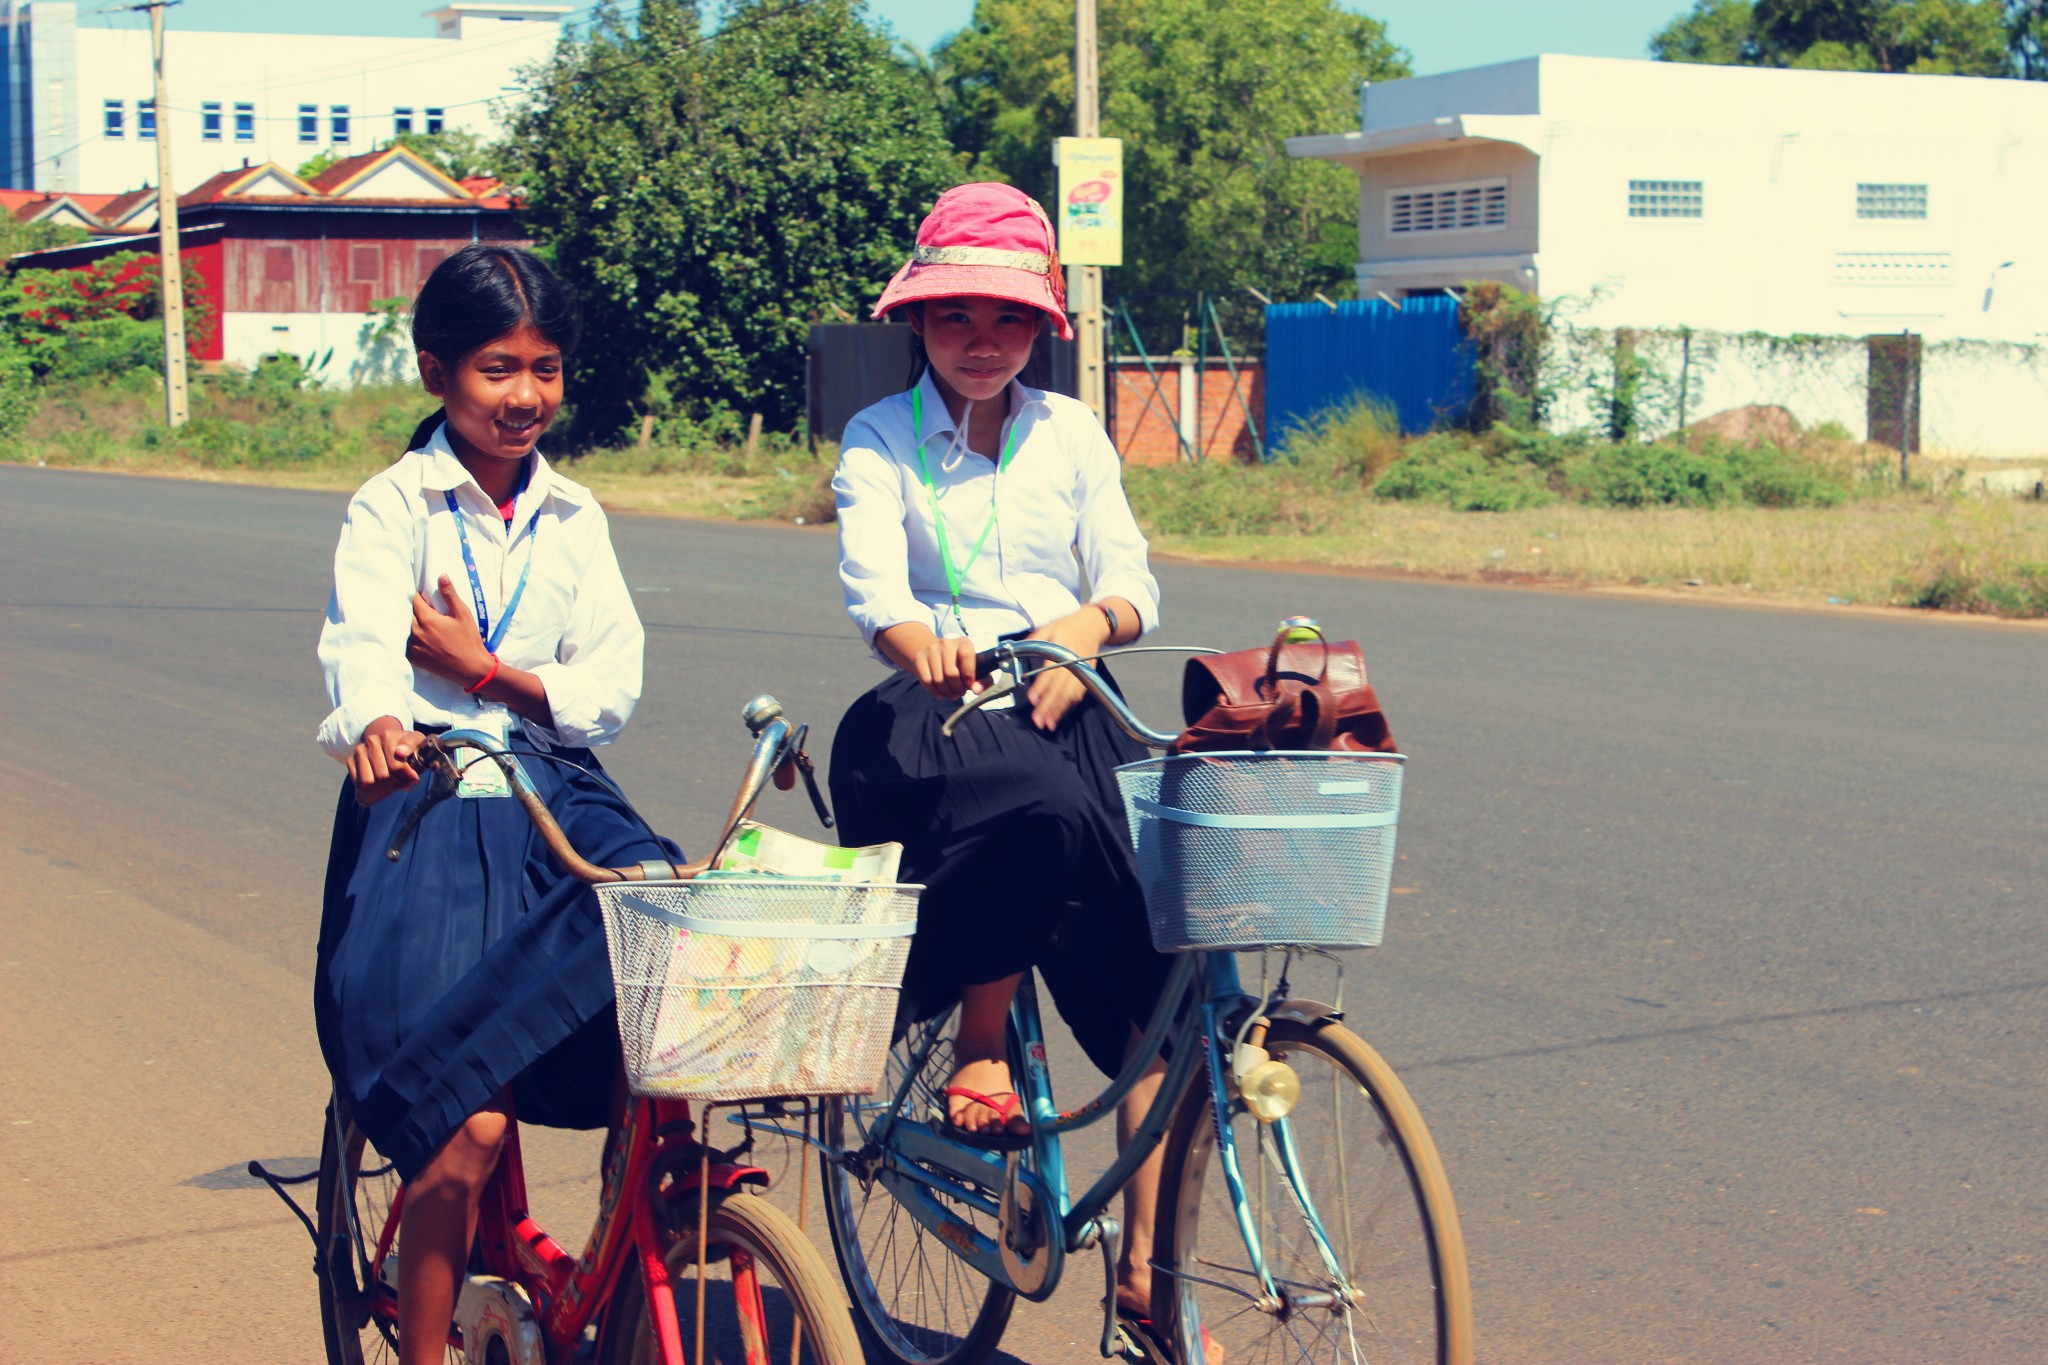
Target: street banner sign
[1091,204]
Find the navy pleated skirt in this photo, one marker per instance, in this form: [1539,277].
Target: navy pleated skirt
[1020,840]
[472,964]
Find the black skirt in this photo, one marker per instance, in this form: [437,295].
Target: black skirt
[1020,841]
[472,964]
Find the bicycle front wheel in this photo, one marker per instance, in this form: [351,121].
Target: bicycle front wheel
[769,1296]
[915,1302]
[354,1196]
[1386,1280]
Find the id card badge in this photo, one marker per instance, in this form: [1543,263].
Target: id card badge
[482,776]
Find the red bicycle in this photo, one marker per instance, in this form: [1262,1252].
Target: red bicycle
[683,1247]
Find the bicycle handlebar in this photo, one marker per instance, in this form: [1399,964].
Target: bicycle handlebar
[1004,663]
[776,745]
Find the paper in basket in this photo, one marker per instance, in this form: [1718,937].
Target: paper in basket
[762,848]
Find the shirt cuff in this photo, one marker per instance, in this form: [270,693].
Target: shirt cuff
[344,726]
[581,720]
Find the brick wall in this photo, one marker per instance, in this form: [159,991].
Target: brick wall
[1147,424]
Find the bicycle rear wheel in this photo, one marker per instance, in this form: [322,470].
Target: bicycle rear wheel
[769,1297]
[1378,1189]
[354,1194]
[914,1301]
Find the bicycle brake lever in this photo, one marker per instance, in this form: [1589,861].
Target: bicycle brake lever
[441,785]
[810,775]
[1002,684]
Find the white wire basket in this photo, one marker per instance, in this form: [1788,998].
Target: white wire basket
[752,987]
[1240,851]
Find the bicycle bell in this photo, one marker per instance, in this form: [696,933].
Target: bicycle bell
[759,712]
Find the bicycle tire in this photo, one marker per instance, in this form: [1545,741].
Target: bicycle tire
[870,1230]
[739,1223]
[358,1318]
[1379,1188]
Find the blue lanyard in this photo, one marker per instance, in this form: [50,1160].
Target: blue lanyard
[476,583]
[956,575]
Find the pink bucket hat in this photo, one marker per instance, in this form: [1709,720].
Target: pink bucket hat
[989,241]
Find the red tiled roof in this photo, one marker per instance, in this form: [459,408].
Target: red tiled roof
[211,189]
[121,205]
[344,170]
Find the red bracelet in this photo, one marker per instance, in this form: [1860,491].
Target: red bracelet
[484,681]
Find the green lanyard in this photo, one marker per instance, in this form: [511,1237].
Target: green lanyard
[924,473]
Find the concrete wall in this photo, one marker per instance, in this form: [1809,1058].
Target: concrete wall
[343,349]
[275,73]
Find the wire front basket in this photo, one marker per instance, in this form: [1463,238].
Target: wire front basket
[751,987]
[1240,851]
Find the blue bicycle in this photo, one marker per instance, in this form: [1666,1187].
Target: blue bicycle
[1331,1235]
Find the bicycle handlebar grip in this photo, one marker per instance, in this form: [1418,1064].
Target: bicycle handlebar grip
[985,662]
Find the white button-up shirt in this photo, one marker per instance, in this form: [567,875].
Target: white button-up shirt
[575,627]
[1063,526]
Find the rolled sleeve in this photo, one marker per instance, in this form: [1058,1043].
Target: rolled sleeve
[1112,548]
[362,644]
[874,551]
[593,683]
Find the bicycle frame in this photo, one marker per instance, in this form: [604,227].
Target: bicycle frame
[569,1293]
[918,1164]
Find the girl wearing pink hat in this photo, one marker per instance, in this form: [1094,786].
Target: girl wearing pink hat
[971,509]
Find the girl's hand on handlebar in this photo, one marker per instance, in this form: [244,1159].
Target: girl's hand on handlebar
[446,642]
[1056,691]
[944,666]
[382,762]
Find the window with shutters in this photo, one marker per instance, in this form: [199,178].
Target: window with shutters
[1475,206]
[365,263]
[1667,199]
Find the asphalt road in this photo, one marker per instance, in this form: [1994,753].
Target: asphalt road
[1718,967]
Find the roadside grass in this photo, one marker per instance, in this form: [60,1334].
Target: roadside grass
[1833,525]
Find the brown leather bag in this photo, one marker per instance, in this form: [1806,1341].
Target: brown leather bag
[1294,694]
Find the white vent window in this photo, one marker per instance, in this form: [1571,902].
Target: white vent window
[1891,201]
[1481,206]
[1893,269]
[1667,199]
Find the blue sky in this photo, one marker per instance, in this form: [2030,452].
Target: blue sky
[1442,34]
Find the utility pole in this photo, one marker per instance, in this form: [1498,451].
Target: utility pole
[1084,282]
[172,267]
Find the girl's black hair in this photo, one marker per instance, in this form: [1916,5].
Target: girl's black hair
[479,294]
[919,362]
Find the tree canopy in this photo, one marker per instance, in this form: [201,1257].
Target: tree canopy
[709,197]
[1944,37]
[1204,94]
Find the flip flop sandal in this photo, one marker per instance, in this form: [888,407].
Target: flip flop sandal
[1151,1343]
[1002,1139]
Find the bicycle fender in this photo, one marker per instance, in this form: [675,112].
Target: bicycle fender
[1307,1013]
[724,1178]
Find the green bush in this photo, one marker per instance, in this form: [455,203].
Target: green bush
[1464,474]
[1213,499]
[18,397]
[1353,442]
[2019,590]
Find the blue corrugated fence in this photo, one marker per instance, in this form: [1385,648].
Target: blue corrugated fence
[1413,358]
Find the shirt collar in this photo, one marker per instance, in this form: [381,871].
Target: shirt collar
[939,422]
[441,472]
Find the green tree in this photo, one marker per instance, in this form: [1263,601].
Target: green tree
[456,152]
[17,237]
[1204,94]
[709,198]
[1943,37]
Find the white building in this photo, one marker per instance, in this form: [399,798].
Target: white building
[1734,200]
[1729,198]
[76,91]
